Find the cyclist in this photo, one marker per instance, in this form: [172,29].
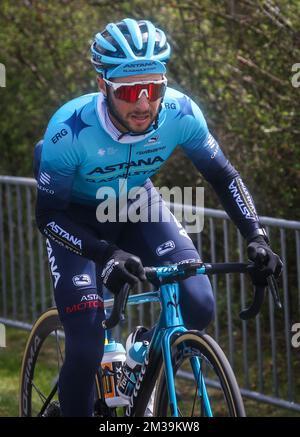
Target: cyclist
[124,132]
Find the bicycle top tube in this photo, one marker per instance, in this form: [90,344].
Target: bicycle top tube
[182,270]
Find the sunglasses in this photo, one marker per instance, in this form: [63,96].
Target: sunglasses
[131,92]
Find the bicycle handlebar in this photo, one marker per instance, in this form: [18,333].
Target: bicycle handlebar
[177,272]
[261,257]
[118,310]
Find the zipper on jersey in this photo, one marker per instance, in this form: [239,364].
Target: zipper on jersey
[129,160]
[128,166]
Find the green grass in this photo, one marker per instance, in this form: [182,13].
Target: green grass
[10,365]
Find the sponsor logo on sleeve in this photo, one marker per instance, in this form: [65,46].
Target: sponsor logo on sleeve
[110,265]
[170,105]
[45,178]
[213,145]
[88,302]
[165,247]
[44,182]
[52,264]
[59,135]
[243,199]
[56,231]
[81,280]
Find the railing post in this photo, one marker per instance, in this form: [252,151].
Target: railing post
[2,254]
[290,393]
[228,295]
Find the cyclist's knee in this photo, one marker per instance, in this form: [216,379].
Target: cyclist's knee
[208,306]
[84,342]
[198,302]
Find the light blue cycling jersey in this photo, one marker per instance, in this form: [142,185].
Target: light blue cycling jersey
[83,151]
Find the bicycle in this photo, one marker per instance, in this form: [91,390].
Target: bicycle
[209,387]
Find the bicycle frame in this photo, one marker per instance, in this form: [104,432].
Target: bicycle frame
[169,332]
[169,324]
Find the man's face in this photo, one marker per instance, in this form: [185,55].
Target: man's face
[135,117]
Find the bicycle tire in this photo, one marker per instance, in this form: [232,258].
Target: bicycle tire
[46,324]
[206,348]
[42,328]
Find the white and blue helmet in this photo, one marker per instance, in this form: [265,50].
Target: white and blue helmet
[130,47]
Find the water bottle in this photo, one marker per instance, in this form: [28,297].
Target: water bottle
[112,362]
[131,368]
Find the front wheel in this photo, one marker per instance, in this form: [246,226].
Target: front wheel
[41,365]
[42,361]
[204,381]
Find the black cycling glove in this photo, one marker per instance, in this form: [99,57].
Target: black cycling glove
[267,262]
[121,268]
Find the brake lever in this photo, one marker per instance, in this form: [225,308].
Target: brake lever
[259,294]
[126,294]
[273,287]
[118,311]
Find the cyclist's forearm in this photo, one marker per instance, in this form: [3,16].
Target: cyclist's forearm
[56,224]
[236,200]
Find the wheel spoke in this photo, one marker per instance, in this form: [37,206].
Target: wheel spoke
[38,391]
[196,390]
[58,351]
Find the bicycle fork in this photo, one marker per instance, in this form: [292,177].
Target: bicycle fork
[196,363]
[196,366]
[166,348]
[173,324]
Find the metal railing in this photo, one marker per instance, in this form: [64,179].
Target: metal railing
[260,351]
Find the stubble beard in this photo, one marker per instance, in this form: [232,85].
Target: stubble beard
[116,114]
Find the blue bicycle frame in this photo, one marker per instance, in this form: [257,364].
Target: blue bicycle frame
[169,324]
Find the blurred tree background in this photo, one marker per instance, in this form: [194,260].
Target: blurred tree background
[234,58]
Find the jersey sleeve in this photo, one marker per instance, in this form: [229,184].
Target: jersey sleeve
[199,144]
[58,164]
[205,152]
[59,160]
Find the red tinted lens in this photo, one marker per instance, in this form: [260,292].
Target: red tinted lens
[131,93]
